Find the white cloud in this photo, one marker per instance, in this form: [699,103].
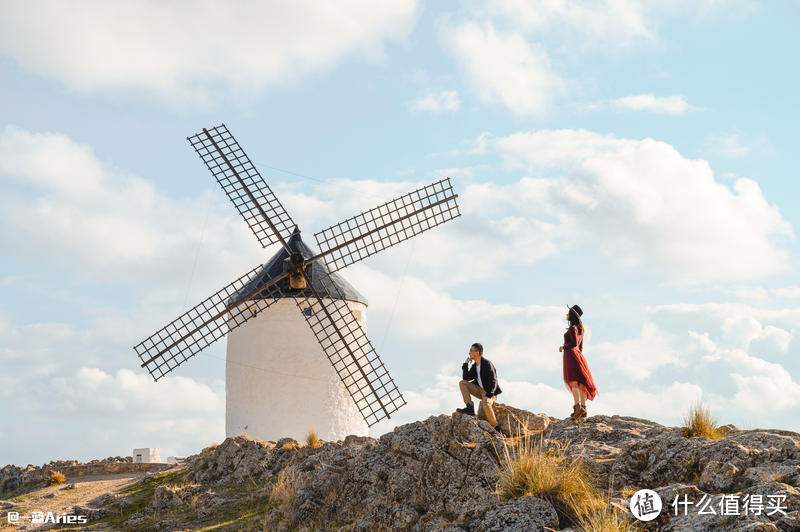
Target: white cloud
[620,21]
[98,413]
[671,105]
[639,202]
[741,338]
[727,145]
[789,292]
[667,404]
[639,357]
[62,205]
[504,67]
[184,51]
[436,102]
[649,206]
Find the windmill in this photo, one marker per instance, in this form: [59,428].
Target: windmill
[329,306]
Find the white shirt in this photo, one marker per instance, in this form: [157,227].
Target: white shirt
[478,371]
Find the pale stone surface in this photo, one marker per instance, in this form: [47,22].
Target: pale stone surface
[279,382]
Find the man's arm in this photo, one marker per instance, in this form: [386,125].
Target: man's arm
[490,383]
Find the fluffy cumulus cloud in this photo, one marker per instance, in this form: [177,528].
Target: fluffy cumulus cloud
[436,102]
[620,21]
[180,51]
[504,67]
[176,414]
[648,205]
[749,345]
[62,204]
[640,203]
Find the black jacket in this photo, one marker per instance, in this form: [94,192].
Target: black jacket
[488,376]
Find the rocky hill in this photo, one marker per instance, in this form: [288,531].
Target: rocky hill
[442,474]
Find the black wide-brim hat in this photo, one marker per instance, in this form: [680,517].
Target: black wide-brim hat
[576,309]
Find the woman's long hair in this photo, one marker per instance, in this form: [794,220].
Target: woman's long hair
[574,319]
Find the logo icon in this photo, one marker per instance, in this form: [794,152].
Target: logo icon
[13,517]
[645,505]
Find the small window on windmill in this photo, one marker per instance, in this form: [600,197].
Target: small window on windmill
[307,310]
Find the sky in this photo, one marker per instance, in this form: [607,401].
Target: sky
[636,158]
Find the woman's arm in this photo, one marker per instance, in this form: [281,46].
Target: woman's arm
[571,338]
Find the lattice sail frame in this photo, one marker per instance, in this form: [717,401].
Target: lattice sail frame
[204,324]
[341,336]
[208,144]
[386,225]
[344,341]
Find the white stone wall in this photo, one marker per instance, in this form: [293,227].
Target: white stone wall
[279,383]
[147,455]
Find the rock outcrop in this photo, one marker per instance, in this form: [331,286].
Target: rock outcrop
[442,473]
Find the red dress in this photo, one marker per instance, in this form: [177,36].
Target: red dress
[575,366]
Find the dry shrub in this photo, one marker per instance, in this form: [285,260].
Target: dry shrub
[55,477]
[313,440]
[699,422]
[607,520]
[284,488]
[566,482]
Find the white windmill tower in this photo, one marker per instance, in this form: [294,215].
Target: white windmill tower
[274,359]
[277,380]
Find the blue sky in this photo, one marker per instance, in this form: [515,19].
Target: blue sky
[637,158]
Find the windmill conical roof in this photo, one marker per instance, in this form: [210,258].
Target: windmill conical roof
[317,270]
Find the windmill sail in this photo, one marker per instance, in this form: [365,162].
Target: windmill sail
[386,225]
[243,184]
[324,304]
[206,323]
[350,352]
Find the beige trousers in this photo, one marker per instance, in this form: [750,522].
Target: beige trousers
[470,388]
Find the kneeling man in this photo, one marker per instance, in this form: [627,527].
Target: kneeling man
[481,381]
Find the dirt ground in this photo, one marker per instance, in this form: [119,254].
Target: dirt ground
[58,500]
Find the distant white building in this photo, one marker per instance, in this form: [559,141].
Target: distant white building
[176,459]
[148,455]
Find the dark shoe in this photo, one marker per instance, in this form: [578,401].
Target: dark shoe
[468,410]
[575,409]
[581,413]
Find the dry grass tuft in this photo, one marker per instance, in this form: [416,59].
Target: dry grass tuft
[55,477]
[565,481]
[699,422]
[313,440]
[284,488]
[607,520]
[289,446]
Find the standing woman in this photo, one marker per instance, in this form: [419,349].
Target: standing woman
[577,376]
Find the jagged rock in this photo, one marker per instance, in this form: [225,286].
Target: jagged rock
[519,515]
[102,500]
[441,474]
[163,497]
[791,521]
[515,421]
[91,513]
